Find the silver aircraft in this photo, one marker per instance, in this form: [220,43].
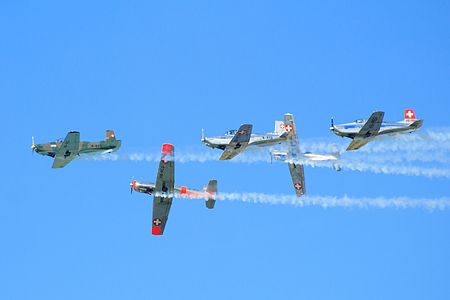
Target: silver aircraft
[294,157]
[364,131]
[234,142]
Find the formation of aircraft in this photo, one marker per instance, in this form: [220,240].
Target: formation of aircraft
[363,131]
[65,151]
[164,190]
[232,143]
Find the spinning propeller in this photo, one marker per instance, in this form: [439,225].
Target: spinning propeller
[132,185]
[33,145]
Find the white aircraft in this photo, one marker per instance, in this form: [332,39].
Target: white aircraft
[294,157]
[363,131]
[234,142]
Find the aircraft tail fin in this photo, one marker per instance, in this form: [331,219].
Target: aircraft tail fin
[110,135]
[211,189]
[409,116]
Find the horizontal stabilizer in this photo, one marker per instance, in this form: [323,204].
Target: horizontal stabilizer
[416,124]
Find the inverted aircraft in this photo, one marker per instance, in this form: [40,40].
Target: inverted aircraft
[363,131]
[164,190]
[294,157]
[234,142]
[65,151]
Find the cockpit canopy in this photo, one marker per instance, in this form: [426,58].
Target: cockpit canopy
[360,121]
[231,132]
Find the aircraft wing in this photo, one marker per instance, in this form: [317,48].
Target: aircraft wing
[370,129]
[68,150]
[164,189]
[291,129]
[357,143]
[238,143]
[298,178]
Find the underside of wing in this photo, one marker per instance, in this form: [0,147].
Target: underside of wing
[161,209]
[164,189]
[357,143]
[372,126]
[292,139]
[298,178]
[68,150]
[238,143]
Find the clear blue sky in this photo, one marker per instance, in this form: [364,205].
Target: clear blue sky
[159,72]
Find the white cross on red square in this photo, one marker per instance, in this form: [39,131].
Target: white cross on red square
[298,186]
[409,114]
[288,127]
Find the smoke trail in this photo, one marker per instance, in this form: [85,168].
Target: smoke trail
[357,163]
[396,169]
[439,157]
[422,141]
[332,201]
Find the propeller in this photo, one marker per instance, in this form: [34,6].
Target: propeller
[332,122]
[132,185]
[203,135]
[33,145]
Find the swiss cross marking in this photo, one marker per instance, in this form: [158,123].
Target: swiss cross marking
[409,114]
[288,127]
[157,222]
[298,185]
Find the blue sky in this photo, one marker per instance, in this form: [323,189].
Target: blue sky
[159,72]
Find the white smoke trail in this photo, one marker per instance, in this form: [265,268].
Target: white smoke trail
[439,157]
[395,169]
[357,163]
[332,201]
[421,141]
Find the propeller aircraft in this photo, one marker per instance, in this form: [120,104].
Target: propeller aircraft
[363,131]
[164,190]
[65,151]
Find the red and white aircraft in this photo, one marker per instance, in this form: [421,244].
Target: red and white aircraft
[164,190]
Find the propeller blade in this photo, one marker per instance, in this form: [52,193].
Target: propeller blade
[33,145]
[132,185]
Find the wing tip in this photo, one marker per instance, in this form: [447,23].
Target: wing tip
[167,148]
[156,230]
